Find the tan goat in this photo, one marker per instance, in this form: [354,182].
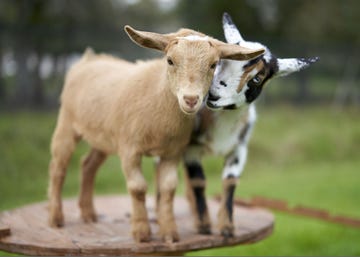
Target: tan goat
[133,110]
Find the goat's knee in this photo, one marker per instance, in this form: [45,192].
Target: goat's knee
[139,219]
[137,188]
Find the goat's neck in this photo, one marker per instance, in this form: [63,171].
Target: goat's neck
[231,116]
[210,122]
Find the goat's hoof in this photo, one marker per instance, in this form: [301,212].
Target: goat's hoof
[142,235]
[227,232]
[89,217]
[170,237]
[204,229]
[56,221]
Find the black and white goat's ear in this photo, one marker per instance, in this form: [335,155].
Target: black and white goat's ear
[290,65]
[232,34]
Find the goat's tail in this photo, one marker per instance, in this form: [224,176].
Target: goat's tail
[88,54]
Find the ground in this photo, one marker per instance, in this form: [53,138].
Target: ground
[307,155]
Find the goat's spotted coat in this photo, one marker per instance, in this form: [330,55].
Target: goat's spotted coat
[225,130]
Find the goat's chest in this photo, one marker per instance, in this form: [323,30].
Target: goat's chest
[223,135]
[163,138]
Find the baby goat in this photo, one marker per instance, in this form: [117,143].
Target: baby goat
[226,132]
[133,110]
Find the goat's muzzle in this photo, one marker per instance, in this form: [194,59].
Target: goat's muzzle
[191,100]
[190,104]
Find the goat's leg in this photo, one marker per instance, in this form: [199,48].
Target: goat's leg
[89,167]
[225,214]
[195,192]
[167,182]
[157,190]
[62,145]
[233,168]
[137,188]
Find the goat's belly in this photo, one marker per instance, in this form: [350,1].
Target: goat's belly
[97,139]
[171,147]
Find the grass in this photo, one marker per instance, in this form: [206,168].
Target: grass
[307,156]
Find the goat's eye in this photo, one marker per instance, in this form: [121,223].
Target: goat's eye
[223,83]
[213,66]
[170,62]
[256,79]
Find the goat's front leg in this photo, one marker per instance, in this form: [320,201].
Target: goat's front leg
[195,191]
[233,168]
[137,188]
[166,185]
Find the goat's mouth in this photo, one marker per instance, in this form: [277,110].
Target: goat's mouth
[190,110]
[211,101]
[212,105]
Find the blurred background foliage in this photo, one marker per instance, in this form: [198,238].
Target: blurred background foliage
[39,39]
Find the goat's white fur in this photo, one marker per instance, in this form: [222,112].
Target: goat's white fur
[195,38]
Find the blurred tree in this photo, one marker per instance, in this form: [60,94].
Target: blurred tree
[321,20]
[205,16]
[289,28]
[323,23]
[2,83]
[55,30]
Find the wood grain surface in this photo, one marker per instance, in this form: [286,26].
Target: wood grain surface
[111,235]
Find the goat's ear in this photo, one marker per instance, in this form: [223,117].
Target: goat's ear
[290,65]
[231,32]
[147,39]
[236,52]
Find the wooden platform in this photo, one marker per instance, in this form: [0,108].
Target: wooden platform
[29,233]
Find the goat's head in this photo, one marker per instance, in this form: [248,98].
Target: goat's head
[190,59]
[240,82]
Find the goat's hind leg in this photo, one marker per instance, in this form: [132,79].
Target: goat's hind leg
[89,167]
[62,146]
[195,191]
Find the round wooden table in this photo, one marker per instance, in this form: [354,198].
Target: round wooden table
[25,230]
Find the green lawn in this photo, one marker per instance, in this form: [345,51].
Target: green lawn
[307,156]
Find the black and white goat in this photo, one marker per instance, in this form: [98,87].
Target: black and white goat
[226,131]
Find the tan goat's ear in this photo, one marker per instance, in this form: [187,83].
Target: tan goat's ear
[147,39]
[236,52]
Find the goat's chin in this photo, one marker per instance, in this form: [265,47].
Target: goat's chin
[189,111]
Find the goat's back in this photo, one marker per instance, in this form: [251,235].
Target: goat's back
[111,102]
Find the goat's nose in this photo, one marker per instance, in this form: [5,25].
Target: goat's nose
[191,100]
